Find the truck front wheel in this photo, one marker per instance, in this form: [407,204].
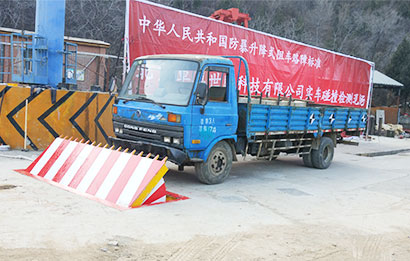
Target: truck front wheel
[218,165]
[322,157]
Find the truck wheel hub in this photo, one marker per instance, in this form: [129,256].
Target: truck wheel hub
[218,163]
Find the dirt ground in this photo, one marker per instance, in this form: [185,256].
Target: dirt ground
[358,209]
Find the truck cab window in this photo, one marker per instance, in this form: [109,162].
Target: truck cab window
[217,81]
[163,81]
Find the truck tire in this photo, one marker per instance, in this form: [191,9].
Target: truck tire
[307,160]
[217,167]
[322,157]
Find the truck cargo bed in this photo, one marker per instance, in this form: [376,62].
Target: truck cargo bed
[262,119]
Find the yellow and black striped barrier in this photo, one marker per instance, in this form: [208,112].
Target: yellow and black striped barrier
[51,113]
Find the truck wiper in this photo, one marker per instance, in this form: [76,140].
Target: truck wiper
[145,99]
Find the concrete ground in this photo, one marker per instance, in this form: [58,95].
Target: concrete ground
[358,209]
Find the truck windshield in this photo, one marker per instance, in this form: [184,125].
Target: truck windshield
[160,81]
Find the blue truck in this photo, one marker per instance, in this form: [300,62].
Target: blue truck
[171,105]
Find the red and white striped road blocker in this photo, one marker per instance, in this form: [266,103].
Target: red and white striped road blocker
[114,177]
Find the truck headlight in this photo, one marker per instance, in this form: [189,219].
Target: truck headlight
[118,130]
[167,139]
[176,141]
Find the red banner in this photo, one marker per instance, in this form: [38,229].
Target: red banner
[276,65]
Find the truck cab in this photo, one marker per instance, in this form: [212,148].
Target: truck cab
[180,107]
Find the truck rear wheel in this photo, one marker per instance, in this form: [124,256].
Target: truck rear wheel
[217,167]
[322,157]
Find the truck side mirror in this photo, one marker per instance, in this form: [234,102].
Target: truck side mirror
[200,93]
[112,86]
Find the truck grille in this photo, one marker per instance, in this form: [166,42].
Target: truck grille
[149,132]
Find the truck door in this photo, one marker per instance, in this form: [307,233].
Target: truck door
[218,117]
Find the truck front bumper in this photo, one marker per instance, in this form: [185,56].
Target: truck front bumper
[174,155]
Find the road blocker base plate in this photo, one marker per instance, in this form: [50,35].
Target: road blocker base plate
[116,178]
